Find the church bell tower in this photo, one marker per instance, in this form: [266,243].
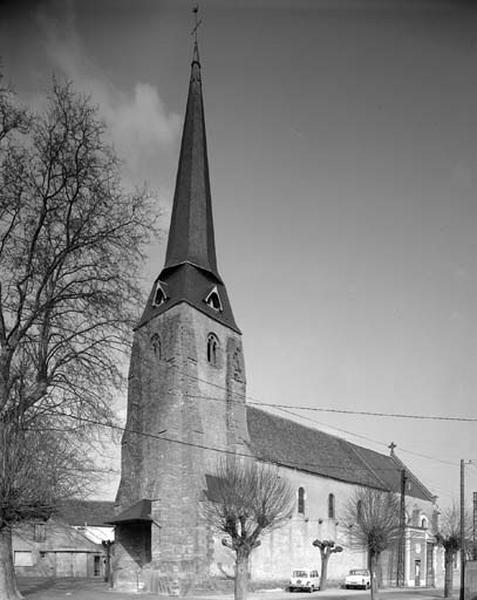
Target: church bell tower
[186,393]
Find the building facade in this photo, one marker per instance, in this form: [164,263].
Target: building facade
[186,408]
[69,544]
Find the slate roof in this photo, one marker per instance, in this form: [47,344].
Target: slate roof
[190,271]
[93,512]
[59,538]
[191,235]
[303,448]
[188,283]
[392,476]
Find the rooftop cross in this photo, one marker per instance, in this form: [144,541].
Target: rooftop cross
[197,23]
[391,446]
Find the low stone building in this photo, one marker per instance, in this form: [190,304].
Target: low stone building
[66,545]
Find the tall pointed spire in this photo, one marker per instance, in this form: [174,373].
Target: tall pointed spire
[190,273]
[191,235]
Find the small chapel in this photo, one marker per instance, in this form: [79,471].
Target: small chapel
[187,405]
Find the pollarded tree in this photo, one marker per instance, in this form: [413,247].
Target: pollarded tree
[71,244]
[326,548]
[248,500]
[374,516]
[449,537]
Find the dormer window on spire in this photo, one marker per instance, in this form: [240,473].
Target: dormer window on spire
[213,299]
[159,295]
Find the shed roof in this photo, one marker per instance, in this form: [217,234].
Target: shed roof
[140,512]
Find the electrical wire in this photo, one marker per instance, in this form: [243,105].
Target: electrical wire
[369,413]
[368,439]
[160,436]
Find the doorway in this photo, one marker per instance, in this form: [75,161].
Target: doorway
[97,566]
[417,573]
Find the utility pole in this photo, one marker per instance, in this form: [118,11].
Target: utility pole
[400,578]
[462,533]
[474,526]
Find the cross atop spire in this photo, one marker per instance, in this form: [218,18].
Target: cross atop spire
[197,23]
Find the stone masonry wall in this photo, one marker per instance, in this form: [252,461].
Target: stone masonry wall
[186,411]
[291,547]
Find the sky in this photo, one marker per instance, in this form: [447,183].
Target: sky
[342,147]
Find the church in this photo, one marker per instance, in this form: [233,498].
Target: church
[187,406]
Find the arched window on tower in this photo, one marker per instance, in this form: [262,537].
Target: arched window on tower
[156,345]
[331,506]
[213,350]
[301,500]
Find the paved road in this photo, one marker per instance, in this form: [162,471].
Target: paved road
[340,594]
[84,589]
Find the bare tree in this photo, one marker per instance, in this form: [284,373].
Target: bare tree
[374,515]
[71,244]
[449,537]
[248,499]
[326,548]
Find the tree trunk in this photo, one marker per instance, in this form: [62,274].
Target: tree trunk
[324,568]
[8,584]
[241,575]
[372,565]
[449,573]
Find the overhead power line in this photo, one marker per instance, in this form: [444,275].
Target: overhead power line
[368,439]
[284,408]
[370,413]
[288,464]
[289,409]
[341,411]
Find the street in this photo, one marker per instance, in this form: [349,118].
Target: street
[87,589]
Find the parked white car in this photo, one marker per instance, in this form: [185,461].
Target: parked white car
[358,578]
[307,580]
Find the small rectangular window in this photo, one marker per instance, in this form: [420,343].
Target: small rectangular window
[39,532]
[23,559]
